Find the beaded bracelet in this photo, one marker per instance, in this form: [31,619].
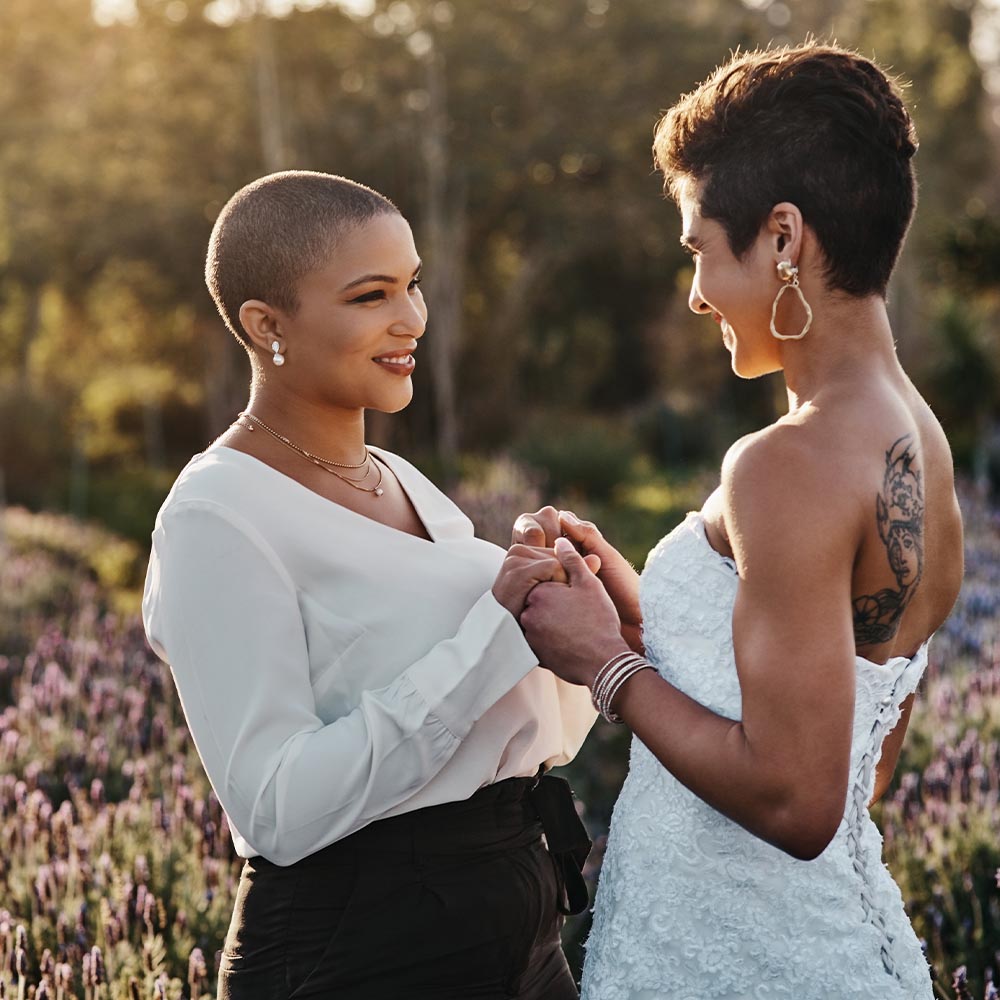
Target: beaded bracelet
[609,679]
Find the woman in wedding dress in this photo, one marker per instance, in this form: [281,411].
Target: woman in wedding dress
[768,657]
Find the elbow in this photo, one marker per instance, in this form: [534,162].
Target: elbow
[807,846]
[268,834]
[805,829]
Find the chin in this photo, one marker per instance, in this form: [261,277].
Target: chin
[750,368]
[393,405]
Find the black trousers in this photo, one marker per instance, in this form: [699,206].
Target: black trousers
[456,902]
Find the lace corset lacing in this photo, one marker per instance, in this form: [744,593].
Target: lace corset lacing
[690,905]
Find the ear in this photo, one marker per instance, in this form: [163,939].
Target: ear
[784,228]
[261,323]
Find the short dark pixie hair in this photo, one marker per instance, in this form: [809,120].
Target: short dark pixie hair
[276,230]
[815,125]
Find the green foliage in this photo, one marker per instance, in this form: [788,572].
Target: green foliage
[89,550]
[127,499]
[586,455]
[123,140]
[33,445]
[964,382]
[972,247]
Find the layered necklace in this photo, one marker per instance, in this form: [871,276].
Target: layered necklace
[367,463]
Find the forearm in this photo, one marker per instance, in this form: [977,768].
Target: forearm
[632,634]
[712,757]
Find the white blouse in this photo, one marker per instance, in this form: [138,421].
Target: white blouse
[333,670]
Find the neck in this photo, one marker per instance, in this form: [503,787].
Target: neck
[330,431]
[849,338]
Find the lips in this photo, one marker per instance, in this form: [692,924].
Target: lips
[396,362]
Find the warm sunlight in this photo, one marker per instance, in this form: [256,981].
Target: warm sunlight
[223,12]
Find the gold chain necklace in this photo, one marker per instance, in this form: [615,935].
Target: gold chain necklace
[367,462]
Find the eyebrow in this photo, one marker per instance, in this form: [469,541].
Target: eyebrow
[386,278]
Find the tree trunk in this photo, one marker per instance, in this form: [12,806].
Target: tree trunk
[227,379]
[29,329]
[904,309]
[79,477]
[444,237]
[274,152]
[3,516]
[152,427]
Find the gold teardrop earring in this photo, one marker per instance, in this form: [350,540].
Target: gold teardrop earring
[789,274]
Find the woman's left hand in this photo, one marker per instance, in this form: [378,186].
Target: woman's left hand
[574,629]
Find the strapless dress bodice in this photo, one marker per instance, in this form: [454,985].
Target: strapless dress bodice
[690,905]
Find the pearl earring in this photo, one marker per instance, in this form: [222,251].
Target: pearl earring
[278,358]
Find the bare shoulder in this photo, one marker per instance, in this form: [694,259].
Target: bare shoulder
[786,484]
[781,452]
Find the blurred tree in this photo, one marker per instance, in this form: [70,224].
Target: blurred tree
[965,380]
[515,134]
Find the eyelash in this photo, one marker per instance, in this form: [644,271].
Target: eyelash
[690,251]
[379,294]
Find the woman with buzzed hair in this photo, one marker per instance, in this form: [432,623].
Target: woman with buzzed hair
[768,657]
[347,653]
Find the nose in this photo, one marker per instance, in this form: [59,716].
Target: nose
[695,302]
[412,318]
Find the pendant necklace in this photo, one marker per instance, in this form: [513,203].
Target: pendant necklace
[324,463]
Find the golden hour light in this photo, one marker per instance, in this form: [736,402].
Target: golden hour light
[500,498]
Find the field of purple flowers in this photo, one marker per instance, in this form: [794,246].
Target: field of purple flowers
[941,825]
[117,873]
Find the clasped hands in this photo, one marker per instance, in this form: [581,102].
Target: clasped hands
[575,596]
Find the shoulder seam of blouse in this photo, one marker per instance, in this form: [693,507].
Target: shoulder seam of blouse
[241,524]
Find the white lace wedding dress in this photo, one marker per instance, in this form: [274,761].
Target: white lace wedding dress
[691,906]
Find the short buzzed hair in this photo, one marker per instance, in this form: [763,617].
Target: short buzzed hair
[278,229]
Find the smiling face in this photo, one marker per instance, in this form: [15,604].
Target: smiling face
[350,342]
[736,293]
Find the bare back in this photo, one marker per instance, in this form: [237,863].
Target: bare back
[892,474]
[909,565]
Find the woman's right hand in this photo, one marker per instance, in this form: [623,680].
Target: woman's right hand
[620,579]
[524,567]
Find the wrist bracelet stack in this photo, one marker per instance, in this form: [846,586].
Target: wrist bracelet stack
[609,679]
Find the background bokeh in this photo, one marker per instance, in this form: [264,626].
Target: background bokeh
[561,363]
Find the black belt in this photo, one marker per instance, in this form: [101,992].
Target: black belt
[445,825]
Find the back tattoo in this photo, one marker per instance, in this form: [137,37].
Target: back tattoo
[899,511]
